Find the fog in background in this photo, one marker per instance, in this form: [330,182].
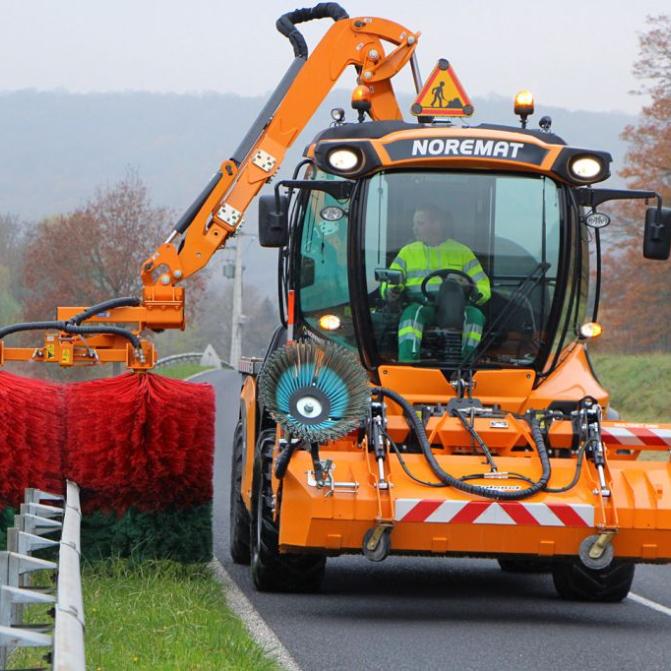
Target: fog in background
[576,54]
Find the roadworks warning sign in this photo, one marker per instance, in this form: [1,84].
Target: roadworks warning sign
[442,94]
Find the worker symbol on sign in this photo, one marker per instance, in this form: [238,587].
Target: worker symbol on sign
[442,94]
[438,96]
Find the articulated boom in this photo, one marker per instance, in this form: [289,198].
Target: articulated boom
[218,211]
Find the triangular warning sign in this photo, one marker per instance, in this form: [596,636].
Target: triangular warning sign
[442,94]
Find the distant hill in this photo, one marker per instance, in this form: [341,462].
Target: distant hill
[57,147]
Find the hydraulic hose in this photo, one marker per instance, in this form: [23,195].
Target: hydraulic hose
[127,301]
[286,24]
[31,326]
[448,479]
[103,330]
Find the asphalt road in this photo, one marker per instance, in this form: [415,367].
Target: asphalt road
[436,613]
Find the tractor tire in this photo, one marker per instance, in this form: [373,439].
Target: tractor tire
[575,582]
[525,565]
[272,571]
[239,515]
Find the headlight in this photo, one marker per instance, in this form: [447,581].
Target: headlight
[590,330]
[332,213]
[344,160]
[585,168]
[329,322]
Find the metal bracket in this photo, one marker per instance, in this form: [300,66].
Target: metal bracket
[330,484]
[229,214]
[262,159]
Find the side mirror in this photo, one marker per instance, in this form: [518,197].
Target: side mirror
[657,236]
[273,224]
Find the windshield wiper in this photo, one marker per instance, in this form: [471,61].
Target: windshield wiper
[522,291]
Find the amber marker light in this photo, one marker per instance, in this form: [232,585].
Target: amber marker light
[329,322]
[361,100]
[361,97]
[524,105]
[590,330]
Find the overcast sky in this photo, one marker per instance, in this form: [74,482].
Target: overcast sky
[574,53]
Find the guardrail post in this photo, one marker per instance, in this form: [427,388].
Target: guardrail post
[35,518]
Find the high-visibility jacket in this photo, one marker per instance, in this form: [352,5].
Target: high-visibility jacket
[417,260]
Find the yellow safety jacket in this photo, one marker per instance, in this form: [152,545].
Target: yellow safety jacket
[417,260]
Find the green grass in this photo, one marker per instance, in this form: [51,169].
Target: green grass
[639,384]
[181,370]
[157,615]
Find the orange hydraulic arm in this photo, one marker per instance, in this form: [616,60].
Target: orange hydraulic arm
[218,211]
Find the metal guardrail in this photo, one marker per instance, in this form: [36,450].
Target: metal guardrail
[40,515]
[207,358]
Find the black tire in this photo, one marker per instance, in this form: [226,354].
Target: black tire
[239,515]
[575,582]
[525,565]
[272,571]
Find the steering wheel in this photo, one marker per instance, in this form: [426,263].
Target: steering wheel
[444,273]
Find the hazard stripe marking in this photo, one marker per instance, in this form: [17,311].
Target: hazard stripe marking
[636,435]
[511,513]
[567,515]
[421,511]
[519,513]
[470,512]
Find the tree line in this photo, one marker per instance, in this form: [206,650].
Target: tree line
[637,292]
[95,252]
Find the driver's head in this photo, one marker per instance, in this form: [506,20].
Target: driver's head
[430,225]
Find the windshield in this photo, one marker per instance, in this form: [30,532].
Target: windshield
[460,268]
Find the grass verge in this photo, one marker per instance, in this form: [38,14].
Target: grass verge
[638,384]
[156,615]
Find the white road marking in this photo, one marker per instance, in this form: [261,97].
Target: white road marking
[252,619]
[649,604]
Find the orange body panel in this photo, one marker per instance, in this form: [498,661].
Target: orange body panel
[248,398]
[314,518]
[546,524]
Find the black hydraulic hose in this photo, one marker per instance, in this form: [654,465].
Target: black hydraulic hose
[190,214]
[103,330]
[407,471]
[286,24]
[477,490]
[474,435]
[127,301]
[31,326]
[576,475]
[71,328]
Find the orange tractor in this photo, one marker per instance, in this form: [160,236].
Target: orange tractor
[429,390]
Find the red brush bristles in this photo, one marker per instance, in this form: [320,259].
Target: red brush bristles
[32,431]
[138,440]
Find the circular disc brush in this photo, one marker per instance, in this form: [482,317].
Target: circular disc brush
[317,392]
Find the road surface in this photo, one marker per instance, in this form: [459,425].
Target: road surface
[437,613]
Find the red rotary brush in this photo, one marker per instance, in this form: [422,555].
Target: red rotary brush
[140,441]
[32,431]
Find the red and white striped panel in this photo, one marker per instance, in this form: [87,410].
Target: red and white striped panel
[636,436]
[495,512]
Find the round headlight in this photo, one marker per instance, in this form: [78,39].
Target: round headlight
[585,167]
[332,213]
[329,322]
[590,330]
[345,160]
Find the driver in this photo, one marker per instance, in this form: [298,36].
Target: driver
[433,250]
